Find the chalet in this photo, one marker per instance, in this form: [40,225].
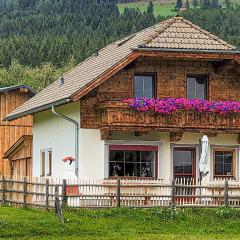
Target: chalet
[10,132]
[97,112]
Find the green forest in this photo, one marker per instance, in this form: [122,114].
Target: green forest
[41,39]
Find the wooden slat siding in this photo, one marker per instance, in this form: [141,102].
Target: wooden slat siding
[10,132]
[159,54]
[171,82]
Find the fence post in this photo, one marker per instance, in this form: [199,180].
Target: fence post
[58,209]
[118,193]
[173,193]
[64,193]
[47,194]
[226,202]
[3,190]
[24,192]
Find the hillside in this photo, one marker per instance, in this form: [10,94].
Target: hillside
[41,39]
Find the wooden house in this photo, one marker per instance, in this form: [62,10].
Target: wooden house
[10,132]
[83,115]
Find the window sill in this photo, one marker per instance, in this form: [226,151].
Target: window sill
[224,176]
[133,178]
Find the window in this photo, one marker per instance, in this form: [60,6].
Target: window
[43,156]
[224,162]
[49,162]
[46,162]
[144,86]
[197,87]
[133,161]
[184,162]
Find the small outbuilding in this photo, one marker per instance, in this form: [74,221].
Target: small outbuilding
[19,156]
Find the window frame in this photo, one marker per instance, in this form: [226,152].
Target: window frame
[150,74]
[42,163]
[233,150]
[49,163]
[192,75]
[45,166]
[118,147]
[194,173]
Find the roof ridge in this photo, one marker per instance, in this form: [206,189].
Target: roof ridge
[169,21]
[208,33]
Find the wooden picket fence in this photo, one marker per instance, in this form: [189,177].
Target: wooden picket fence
[110,193]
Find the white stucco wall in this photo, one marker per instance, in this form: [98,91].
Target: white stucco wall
[50,131]
[53,132]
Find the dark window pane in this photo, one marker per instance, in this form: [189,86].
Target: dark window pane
[116,169]
[183,162]
[131,163]
[223,163]
[228,169]
[228,157]
[219,157]
[219,169]
[147,156]
[147,170]
[132,156]
[116,156]
[132,169]
[196,87]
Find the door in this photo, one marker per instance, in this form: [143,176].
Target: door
[184,171]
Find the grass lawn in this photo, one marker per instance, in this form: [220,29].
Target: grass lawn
[121,224]
[164,9]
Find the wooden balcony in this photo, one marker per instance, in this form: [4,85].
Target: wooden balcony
[118,116]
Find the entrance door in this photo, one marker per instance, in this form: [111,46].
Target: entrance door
[184,163]
[184,170]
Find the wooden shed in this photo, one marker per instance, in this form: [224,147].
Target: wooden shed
[19,156]
[11,132]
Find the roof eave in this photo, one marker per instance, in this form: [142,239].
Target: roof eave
[12,88]
[186,50]
[12,117]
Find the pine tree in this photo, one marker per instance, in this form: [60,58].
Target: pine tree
[195,3]
[178,5]
[227,4]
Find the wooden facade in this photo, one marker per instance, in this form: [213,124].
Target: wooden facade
[103,108]
[19,156]
[10,132]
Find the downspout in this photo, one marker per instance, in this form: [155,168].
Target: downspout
[76,137]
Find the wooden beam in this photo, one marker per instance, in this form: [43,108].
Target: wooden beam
[238,138]
[176,136]
[105,133]
[211,134]
[140,133]
[223,66]
[188,55]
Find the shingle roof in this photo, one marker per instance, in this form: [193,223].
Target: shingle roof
[174,33]
[12,88]
[183,34]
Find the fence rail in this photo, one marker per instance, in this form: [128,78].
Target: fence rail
[109,193]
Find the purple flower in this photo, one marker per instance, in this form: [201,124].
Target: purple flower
[172,105]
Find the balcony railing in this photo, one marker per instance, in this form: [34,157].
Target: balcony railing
[118,115]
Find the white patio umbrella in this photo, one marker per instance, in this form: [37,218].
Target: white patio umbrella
[204,156]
